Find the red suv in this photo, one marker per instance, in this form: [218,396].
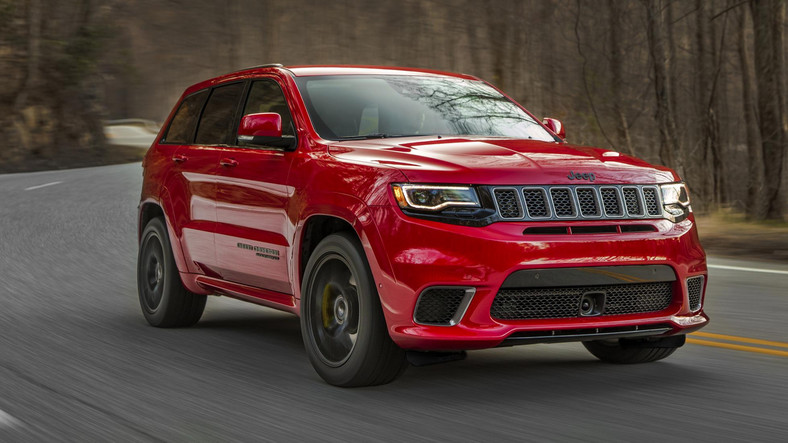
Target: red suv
[410,215]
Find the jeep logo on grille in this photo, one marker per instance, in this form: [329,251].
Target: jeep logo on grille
[584,176]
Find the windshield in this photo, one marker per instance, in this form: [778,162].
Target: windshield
[366,106]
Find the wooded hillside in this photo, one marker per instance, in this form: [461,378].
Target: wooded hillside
[696,85]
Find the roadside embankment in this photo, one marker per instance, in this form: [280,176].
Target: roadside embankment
[730,234]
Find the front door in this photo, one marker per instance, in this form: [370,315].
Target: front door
[253,232]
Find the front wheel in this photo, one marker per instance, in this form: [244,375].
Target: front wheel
[342,322]
[624,351]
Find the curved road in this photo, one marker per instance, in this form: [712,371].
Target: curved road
[78,362]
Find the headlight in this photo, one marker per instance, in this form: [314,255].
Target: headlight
[434,197]
[675,201]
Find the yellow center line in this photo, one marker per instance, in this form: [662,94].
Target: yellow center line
[737,347]
[754,341]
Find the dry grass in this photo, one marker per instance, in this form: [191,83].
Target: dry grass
[728,233]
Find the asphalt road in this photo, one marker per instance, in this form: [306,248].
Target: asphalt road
[78,362]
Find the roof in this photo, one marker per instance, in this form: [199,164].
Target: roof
[305,71]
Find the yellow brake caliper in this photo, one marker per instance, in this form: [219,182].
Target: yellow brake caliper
[326,307]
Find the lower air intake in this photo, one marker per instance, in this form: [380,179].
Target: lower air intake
[442,306]
[695,291]
[565,302]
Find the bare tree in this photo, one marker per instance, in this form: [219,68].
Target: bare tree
[669,149]
[603,71]
[616,61]
[768,16]
[754,156]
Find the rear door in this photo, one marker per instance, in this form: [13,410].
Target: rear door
[200,165]
[253,232]
[192,222]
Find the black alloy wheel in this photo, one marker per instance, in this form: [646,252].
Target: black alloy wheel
[342,322]
[165,302]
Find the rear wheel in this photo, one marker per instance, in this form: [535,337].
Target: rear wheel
[342,322]
[625,351]
[165,302]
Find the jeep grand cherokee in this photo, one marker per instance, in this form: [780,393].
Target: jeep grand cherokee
[410,215]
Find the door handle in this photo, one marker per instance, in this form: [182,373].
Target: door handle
[228,162]
[179,158]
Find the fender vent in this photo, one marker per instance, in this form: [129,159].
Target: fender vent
[442,305]
[695,291]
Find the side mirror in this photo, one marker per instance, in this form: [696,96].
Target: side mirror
[264,129]
[556,126]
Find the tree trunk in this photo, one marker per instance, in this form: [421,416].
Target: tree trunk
[753,205]
[669,149]
[780,75]
[765,14]
[617,76]
[706,71]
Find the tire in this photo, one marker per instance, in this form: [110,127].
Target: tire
[631,351]
[342,322]
[165,302]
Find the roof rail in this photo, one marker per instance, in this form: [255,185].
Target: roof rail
[268,65]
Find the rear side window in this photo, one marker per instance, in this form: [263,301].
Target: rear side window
[216,123]
[184,122]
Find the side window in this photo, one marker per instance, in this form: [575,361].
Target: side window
[181,130]
[216,123]
[266,96]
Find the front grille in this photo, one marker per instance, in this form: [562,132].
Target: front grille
[508,203]
[578,202]
[611,200]
[440,305]
[589,204]
[564,302]
[650,197]
[562,202]
[536,202]
[695,291]
[632,201]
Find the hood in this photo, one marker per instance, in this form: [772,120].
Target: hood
[500,161]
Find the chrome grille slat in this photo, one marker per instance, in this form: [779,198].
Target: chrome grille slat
[508,203]
[650,197]
[632,201]
[578,202]
[588,202]
[612,202]
[536,202]
[562,202]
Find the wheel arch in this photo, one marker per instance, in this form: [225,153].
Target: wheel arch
[147,212]
[150,209]
[322,221]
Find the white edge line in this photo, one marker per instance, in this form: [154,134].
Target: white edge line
[7,421]
[42,186]
[737,268]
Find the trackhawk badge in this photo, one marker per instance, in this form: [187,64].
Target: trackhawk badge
[584,176]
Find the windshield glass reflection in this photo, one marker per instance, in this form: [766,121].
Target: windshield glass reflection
[357,107]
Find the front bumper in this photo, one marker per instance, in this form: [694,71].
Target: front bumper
[423,254]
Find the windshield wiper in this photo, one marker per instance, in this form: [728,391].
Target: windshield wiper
[383,135]
[366,136]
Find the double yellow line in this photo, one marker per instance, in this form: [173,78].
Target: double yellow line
[733,342]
